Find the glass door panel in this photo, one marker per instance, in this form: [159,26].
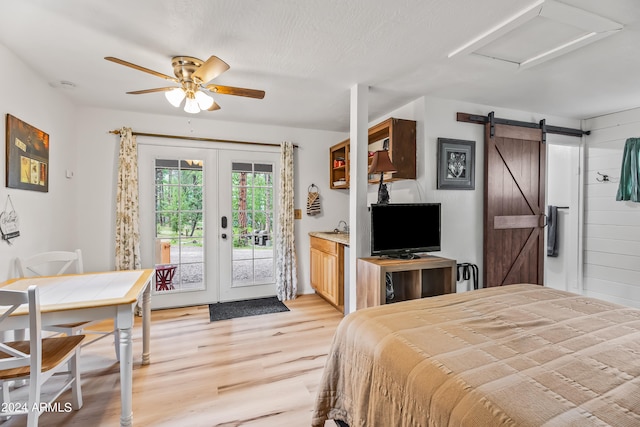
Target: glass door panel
[252,196]
[178,186]
[179,224]
[250,182]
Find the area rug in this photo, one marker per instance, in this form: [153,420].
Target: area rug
[252,307]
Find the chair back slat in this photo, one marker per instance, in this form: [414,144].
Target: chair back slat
[48,263]
[10,300]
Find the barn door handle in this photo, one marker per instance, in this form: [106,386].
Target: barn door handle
[545,220]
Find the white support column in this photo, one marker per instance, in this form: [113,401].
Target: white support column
[359,240]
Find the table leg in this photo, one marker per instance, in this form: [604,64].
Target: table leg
[125,324]
[146,324]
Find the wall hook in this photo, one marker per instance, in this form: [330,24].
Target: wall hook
[606,178]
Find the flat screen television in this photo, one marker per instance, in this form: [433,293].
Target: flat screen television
[403,229]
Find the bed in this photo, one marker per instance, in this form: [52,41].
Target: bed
[518,355]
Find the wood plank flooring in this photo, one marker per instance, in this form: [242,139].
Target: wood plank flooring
[252,371]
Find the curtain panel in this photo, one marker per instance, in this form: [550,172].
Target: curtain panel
[286,268]
[629,186]
[127,204]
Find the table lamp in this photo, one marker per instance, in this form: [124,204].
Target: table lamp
[381,163]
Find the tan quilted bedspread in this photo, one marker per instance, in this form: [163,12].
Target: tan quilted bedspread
[519,355]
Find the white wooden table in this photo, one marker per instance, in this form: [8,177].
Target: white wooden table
[95,296]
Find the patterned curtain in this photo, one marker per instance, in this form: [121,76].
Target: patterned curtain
[286,277]
[127,228]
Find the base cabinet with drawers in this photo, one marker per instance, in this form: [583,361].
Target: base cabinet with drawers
[327,270]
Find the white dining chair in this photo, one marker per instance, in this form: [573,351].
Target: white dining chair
[36,360]
[55,263]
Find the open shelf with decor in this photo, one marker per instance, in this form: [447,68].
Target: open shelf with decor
[338,165]
[396,135]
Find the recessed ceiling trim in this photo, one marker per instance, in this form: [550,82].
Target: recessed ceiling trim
[595,27]
[499,30]
[579,18]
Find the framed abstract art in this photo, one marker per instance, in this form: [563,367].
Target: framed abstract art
[27,156]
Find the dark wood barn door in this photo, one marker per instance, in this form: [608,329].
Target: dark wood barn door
[514,205]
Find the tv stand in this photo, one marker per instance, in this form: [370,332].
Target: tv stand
[403,256]
[412,278]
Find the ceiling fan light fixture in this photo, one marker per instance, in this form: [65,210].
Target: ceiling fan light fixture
[191,106]
[175,96]
[204,101]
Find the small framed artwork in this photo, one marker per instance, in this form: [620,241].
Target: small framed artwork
[27,156]
[456,164]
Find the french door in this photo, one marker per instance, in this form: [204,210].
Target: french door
[206,220]
[248,185]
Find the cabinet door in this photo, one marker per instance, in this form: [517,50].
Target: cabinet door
[330,272]
[317,268]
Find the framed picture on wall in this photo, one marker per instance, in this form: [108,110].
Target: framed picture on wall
[456,164]
[27,156]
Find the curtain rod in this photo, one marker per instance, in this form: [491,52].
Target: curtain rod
[195,138]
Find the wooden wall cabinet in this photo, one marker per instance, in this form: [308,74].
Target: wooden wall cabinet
[402,151]
[339,165]
[327,270]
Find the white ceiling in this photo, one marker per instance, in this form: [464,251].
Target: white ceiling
[307,54]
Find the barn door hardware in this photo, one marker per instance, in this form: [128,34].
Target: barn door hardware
[492,120]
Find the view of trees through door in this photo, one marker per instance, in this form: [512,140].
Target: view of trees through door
[252,210]
[179,250]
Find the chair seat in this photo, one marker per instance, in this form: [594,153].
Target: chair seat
[54,350]
[70,325]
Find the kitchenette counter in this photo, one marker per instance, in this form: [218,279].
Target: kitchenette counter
[332,236]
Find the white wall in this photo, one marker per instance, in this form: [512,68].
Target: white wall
[47,220]
[78,212]
[96,174]
[462,210]
[611,229]
[563,189]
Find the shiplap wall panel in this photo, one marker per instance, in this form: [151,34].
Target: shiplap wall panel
[609,217]
[603,204]
[615,289]
[611,228]
[613,275]
[613,232]
[610,246]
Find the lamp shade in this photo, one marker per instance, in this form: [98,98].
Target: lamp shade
[381,163]
[204,101]
[175,96]
[191,106]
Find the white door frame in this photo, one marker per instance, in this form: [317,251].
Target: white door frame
[215,252]
[147,153]
[227,290]
[564,185]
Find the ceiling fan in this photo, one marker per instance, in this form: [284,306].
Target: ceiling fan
[192,74]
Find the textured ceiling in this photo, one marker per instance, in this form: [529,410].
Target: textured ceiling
[307,55]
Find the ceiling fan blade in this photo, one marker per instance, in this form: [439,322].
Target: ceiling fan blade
[159,89]
[214,107]
[211,69]
[139,68]
[237,91]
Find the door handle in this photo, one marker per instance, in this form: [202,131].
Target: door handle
[224,222]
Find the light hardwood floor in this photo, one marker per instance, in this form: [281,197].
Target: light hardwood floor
[252,371]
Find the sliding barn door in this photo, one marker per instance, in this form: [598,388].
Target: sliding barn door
[514,205]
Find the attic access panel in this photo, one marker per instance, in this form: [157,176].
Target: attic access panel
[539,33]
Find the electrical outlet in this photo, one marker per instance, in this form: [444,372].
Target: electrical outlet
[297,213]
